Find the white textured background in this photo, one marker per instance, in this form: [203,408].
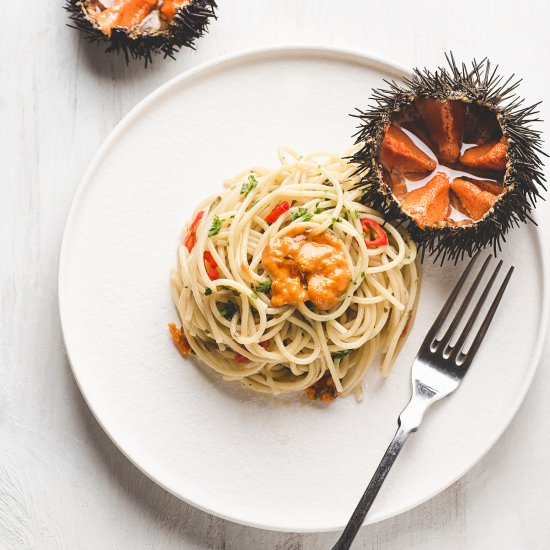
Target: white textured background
[63,484]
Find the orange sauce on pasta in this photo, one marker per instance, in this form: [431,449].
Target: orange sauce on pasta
[307,268]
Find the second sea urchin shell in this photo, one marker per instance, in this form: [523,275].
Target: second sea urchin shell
[152,27]
[452,155]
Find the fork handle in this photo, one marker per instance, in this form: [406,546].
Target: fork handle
[409,421]
[358,516]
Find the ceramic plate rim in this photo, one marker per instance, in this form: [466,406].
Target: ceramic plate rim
[244,56]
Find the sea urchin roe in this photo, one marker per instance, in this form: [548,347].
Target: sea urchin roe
[400,152]
[429,205]
[489,155]
[475,201]
[307,267]
[445,123]
[323,390]
[129,14]
[179,339]
[168,8]
[469,148]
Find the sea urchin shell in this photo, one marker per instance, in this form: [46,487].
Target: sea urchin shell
[141,28]
[451,154]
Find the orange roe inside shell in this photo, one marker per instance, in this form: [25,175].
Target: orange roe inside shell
[423,153]
[430,204]
[129,14]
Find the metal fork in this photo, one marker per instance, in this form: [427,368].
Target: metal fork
[437,371]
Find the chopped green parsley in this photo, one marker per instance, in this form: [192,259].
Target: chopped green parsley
[247,186]
[228,310]
[299,213]
[264,286]
[341,354]
[216,226]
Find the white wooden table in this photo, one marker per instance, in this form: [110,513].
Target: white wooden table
[63,484]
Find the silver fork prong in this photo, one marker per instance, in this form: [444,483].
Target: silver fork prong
[445,341]
[472,319]
[465,359]
[432,333]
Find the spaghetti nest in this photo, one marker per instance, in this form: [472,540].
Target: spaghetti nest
[223,291]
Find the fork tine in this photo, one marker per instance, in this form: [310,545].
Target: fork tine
[465,359]
[449,303]
[472,319]
[446,339]
[470,323]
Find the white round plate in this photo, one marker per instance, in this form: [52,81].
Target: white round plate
[279,464]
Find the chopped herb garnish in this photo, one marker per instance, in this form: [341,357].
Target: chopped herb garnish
[341,354]
[216,226]
[334,220]
[249,185]
[228,310]
[207,291]
[307,217]
[299,213]
[254,295]
[264,286]
[356,213]
[363,274]
[317,209]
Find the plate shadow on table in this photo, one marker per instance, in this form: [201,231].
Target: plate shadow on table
[112,66]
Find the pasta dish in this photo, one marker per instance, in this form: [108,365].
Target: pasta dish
[286,282]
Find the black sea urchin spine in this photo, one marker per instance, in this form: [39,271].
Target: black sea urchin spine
[524,177]
[188,24]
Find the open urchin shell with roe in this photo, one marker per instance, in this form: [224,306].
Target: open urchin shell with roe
[452,155]
[142,28]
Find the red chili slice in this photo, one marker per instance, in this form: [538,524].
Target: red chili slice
[189,241]
[375,235]
[242,359]
[278,211]
[211,266]
[191,237]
